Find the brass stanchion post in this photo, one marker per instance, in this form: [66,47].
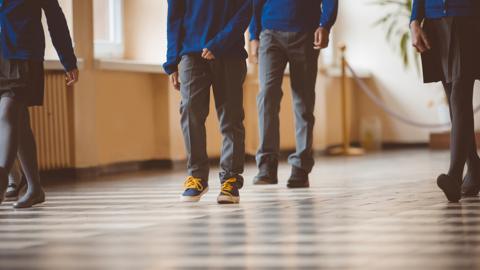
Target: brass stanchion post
[346,149]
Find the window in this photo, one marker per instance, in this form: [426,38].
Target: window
[108,28]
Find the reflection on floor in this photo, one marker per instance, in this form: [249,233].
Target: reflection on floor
[382,211]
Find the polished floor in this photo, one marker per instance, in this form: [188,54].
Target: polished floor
[382,211]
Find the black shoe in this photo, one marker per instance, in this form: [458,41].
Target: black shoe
[471,185]
[451,187]
[267,174]
[298,178]
[29,200]
[14,190]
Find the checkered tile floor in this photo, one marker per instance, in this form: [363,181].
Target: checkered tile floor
[382,211]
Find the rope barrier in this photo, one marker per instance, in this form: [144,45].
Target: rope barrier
[364,87]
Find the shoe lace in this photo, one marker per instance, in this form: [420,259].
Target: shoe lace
[193,183]
[227,186]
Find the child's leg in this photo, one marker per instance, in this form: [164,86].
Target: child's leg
[229,76]
[9,119]
[472,160]
[15,175]
[194,108]
[27,153]
[462,126]
[15,182]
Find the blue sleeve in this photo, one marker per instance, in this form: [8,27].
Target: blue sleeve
[234,29]
[256,23]
[418,10]
[58,28]
[176,13]
[329,13]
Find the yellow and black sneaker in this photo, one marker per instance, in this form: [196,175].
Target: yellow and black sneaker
[195,188]
[229,194]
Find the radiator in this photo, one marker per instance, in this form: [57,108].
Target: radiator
[52,124]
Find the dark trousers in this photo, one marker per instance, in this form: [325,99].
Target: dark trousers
[276,50]
[226,76]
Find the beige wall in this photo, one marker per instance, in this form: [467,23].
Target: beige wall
[145,30]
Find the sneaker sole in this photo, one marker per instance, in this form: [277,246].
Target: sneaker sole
[224,199]
[193,198]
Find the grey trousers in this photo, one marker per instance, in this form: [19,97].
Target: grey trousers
[276,50]
[226,76]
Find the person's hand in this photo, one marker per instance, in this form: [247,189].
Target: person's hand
[175,80]
[321,39]
[71,77]
[254,46]
[207,54]
[419,38]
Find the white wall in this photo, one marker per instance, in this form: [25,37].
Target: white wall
[401,89]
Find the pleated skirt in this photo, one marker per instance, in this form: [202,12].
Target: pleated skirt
[22,80]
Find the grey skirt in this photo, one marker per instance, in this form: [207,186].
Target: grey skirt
[455,52]
[22,80]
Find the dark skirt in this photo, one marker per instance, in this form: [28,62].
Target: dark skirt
[22,80]
[455,52]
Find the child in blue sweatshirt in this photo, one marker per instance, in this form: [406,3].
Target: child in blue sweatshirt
[22,45]
[206,49]
[281,32]
[446,33]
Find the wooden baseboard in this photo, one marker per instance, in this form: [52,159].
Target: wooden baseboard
[78,174]
[441,141]
[54,177]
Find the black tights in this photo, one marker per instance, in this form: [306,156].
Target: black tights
[463,146]
[16,137]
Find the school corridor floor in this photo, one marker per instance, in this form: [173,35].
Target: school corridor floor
[381,211]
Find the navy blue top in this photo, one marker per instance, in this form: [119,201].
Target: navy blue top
[22,36]
[218,25]
[434,9]
[292,15]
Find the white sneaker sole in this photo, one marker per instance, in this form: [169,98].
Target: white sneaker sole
[193,198]
[225,199]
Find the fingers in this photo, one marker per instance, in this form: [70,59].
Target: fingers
[420,47]
[204,53]
[72,77]
[175,81]
[317,40]
[207,54]
[254,47]
[321,39]
[419,38]
[425,40]
[419,44]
